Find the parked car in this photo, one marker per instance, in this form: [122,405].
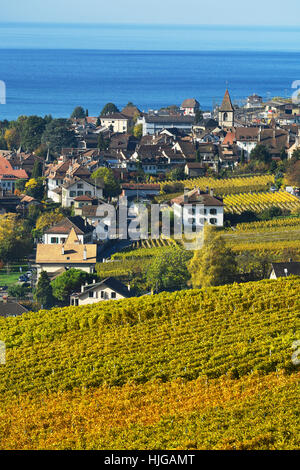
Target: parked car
[23,278]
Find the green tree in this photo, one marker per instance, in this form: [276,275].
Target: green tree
[68,282]
[37,169]
[175,175]
[58,134]
[43,292]
[102,143]
[198,116]
[20,185]
[18,291]
[31,130]
[138,131]
[15,241]
[3,144]
[169,270]
[12,138]
[78,113]
[35,188]
[109,108]
[111,185]
[296,154]
[214,264]
[260,153]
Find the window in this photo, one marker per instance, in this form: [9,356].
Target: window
[79,185]
[54,240]
[91,294]
[102,294]
[213,211]
[113,295]
[88,193]
[79,193]
[213,221]
[72,193]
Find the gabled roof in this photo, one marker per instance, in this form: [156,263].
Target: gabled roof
[292,269]
[130,111]
[69,253]
[66,224]
[190,103]
[11,309]
[226,105]
[115,116]
[170,119]
[110,282]
[197,196]
[7,170]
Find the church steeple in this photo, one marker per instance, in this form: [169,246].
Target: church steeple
[226,112]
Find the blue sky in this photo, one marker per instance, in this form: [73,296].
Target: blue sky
[227,12]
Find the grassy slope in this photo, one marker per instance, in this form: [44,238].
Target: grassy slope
[198,369]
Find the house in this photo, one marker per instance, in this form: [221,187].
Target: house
[131,111]
[58,233]
[190,107]
[11,309]
[81,201]
[57,174]
[108,289]
[9,176]
[211,207]
[71,254]
[26,202]
[226,112]
[246,138]
[194,169]
[8,202]
[254,101]
[24,161]
[291,268]
[75,187]
[153,124]
[126,142]
[118,122]
[131,190]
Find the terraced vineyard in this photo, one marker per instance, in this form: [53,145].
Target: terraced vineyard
[226,186]
[286,223]
[258,202]
[198,369]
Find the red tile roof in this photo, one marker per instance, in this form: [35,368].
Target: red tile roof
[7,169]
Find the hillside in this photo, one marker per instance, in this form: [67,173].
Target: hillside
[197,369]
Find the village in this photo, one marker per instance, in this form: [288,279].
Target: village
[240,163]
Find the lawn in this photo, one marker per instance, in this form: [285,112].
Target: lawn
[11,276]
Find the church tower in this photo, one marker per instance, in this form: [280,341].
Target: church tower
[226,112]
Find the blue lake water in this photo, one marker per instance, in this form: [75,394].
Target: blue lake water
[50,69]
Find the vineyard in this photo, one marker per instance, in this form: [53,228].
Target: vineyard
[198,369]
[226,186]
[291,223]
[258,202]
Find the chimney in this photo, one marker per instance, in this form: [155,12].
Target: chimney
[285,271]
[94,281]
[63,250]
[128,287]
[211,192]
[82,288]
[185,196]
[207,189]
[84,253]
[290,260]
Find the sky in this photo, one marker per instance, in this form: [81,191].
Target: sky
[202,12]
